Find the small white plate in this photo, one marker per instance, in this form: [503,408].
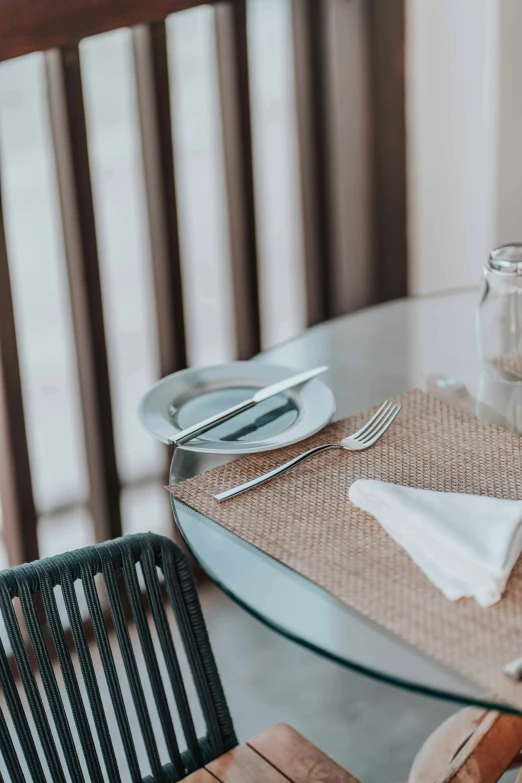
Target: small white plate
[186,397]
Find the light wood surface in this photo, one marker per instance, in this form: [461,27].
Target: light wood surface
[473,746]
[244,765]
[201,776]
[278,755]
[297,758]
[435,756]
[489,752]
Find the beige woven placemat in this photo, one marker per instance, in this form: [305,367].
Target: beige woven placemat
[510,363]
[305,520]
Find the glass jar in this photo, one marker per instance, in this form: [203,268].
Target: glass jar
[500,314]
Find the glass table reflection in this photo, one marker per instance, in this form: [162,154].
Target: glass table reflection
[427,343]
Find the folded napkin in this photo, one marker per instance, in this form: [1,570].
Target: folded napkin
[466,544]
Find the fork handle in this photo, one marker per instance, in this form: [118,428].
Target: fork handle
[230,493]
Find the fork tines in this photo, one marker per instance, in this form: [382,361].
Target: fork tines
[378,424]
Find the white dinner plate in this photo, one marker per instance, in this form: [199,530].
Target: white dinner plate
[186,397]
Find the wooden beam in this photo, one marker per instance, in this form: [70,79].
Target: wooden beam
[19,520]
[386,47]
[152,79]
[232,51]
[32,27]
[74,185]
[312,114]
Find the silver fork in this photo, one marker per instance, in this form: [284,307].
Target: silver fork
[369,434]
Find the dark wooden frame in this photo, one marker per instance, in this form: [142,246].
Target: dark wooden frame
[152,80]
[386,40]
[19,520]
[74,185]
[32,27]
[56,27]
[232,52]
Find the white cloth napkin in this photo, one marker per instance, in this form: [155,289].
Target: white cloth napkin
[466,544]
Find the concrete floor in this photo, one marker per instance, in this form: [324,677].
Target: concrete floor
[371,728]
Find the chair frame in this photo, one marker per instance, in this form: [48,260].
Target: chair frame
[33,584]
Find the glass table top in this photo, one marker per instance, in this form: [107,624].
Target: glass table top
[427,343]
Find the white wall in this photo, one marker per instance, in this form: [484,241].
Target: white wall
[508,111]
[452,87]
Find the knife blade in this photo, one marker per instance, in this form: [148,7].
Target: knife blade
[263,394]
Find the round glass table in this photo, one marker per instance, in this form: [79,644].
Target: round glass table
[427,343]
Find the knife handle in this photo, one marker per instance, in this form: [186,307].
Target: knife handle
[212,421]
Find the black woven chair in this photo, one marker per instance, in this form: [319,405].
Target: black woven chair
[151,553]
[139,576]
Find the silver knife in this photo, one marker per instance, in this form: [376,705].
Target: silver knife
[259,396]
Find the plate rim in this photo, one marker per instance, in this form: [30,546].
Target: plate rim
[205,446]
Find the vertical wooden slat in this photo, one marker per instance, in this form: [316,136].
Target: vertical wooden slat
[72,163]
[19,520]
[351,122]
[386,46]
[312,116]
[350,153]
[152,79]
[232,52]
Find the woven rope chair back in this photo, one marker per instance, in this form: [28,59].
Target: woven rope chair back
[111,704]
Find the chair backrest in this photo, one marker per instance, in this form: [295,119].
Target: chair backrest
[152,574]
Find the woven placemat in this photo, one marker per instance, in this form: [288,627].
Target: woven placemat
[510,363]
[305,520]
